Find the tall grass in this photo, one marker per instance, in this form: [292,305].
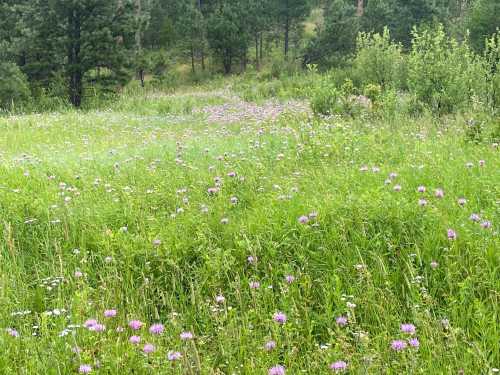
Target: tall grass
[110,210]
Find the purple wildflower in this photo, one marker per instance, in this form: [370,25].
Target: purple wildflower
[174,356]
[338,366]
[408,328]
[212,190]
[486,224]
[461,201]
[422,202]
[414,342]
[439,193]
[134,340]
[289,279]
[270,345]
[12,332]
[341,321]
[254,285]
[97,327]
[421,189]
[475,217]
[303,219]
[148,348]
[451,234]
[110,313]
[220,298]
[135,324]
[279,317]
[398,345]
[90,323]
[185,336]
[277,370]
[85,369]
[156,329]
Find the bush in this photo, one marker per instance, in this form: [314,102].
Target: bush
[279,68]
[378,60]
[444,74]
[325,100]
[492,60]
[14,88]
[373,92]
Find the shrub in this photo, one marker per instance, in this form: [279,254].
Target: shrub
[373,92]
[14,89]
[378,60]
[443,73]
[280,68]
[492,60]
[325,100]
[481,127]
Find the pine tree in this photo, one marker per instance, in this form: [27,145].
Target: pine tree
[483,21]
[336,40]
[87,41]
[227,34]
[190,28]
[289,13]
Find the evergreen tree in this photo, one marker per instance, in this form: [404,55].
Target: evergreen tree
[336,40]
[399,16]
[288,14]
[87,41]
[258,20]
[227,34]
[190,28]
[483,21]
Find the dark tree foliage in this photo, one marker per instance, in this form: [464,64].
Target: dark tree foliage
[288,13]
[227,35]
[84,41]
[483,21]
[337,39]
[68,46]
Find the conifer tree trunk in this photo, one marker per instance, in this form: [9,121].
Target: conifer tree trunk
[202,52]
[138,41]
[261,47]
[287,35]
[74,61]
[192,58]
[257,64]
[360,8]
